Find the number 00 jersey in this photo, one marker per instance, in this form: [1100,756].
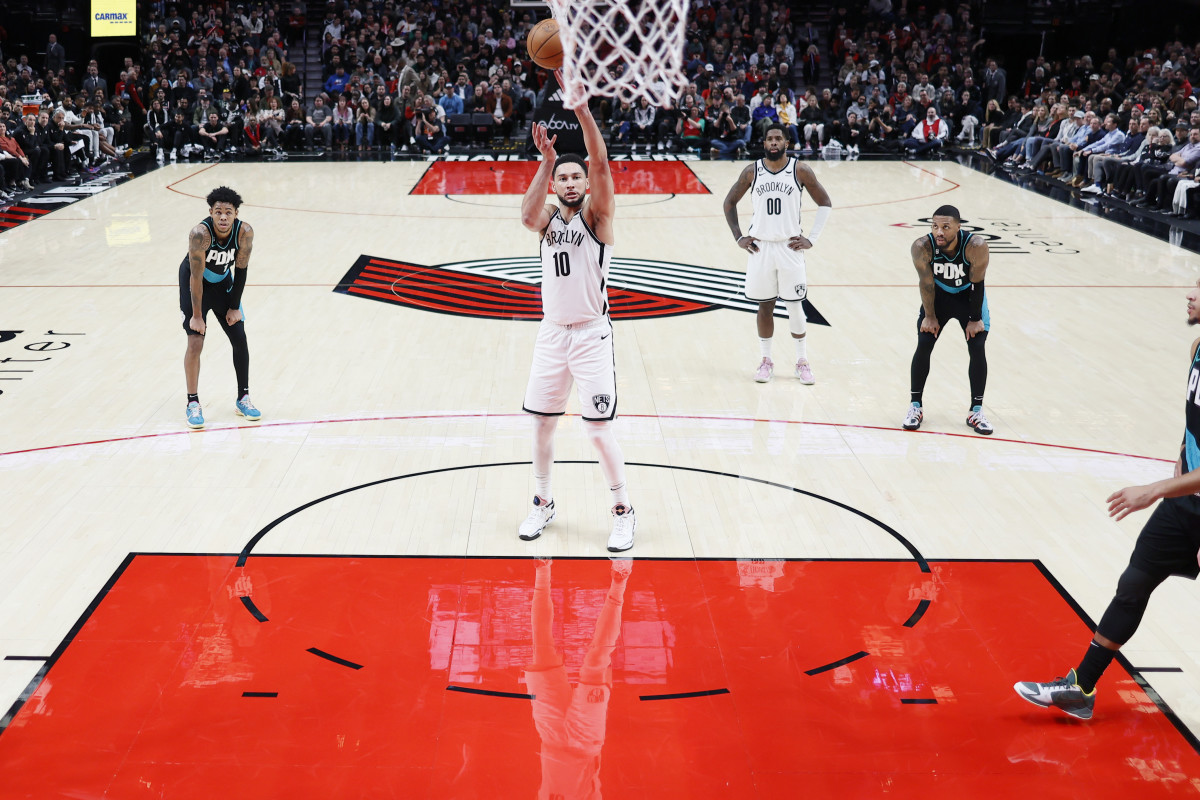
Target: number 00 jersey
[574,271]
[776,198]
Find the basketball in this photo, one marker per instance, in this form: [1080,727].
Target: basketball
[545,48]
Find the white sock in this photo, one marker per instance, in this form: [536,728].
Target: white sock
[765,346]
[801,348]
[543,455]
[612,462]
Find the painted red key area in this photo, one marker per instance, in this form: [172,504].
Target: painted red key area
[148,699]
[513,177]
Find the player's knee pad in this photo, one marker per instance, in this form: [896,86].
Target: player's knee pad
[796,319]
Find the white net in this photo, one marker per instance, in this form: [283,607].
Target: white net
[627,49]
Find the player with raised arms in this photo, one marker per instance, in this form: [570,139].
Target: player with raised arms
[575,338]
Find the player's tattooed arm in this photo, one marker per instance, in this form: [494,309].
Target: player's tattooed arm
[978,255]
[922,256]
[198,242]
[736,193]
[245,245]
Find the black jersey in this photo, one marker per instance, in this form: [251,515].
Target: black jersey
[1191,417]
[951,273]
[219,259]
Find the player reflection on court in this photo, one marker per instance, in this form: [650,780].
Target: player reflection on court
[571,720]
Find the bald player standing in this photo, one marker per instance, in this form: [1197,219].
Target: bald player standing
[776,243]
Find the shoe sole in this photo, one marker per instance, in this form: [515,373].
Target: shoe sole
[910,427]
[248,419]
[1033,702]
[762,380]
[806,383]
[195,427]
[530,537]
[981,433]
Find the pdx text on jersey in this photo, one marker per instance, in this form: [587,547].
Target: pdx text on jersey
[949,272]
[220,258]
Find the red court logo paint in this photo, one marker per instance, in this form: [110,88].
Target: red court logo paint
[509,288]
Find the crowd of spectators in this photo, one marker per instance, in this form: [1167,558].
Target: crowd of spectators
[882,76]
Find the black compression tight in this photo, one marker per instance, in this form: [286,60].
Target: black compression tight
[977,371]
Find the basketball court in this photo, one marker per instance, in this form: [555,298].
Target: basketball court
[334,601]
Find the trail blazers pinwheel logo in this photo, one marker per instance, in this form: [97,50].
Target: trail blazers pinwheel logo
[508,288]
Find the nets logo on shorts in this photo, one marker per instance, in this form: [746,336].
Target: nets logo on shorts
[601,402]
[509,288]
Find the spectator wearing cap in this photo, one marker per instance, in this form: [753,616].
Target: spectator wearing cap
[450,102]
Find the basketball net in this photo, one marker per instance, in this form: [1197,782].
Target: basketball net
[627,49]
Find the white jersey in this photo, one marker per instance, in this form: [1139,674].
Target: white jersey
[574,271]
[776,198]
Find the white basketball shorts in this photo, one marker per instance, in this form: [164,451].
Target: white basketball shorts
[776,271]
[582,353]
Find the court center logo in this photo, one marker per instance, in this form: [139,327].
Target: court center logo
[510,288]
[1005,236]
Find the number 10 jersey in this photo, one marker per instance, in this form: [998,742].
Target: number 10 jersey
[574,271]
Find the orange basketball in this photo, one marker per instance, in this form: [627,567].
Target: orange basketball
[545,48]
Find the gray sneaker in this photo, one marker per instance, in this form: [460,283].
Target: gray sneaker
[1063,693]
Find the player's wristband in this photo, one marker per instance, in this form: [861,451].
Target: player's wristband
[823,213]
[976,312]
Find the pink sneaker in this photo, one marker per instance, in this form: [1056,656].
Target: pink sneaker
[764,371]
[804,372]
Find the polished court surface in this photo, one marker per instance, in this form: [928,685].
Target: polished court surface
[333,602]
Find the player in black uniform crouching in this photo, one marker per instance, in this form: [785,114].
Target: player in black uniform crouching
[951,264]
[212,277]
